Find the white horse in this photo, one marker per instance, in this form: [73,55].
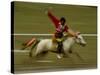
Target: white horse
[46,45]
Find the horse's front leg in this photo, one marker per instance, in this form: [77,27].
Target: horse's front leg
[67,51]
[66,54]
[70,50]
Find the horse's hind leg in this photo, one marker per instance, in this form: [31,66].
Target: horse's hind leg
[38,51]
[30,53]
[36,54]
[41,55]
[32,48]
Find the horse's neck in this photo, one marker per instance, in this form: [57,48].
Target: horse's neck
[70,41]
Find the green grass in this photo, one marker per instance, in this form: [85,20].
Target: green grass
[88,53]
[31,18]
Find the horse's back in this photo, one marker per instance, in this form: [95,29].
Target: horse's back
[45,43]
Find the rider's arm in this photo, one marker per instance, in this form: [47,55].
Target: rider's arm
[71,32]
[54,19]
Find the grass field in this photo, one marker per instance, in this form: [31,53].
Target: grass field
[30,18]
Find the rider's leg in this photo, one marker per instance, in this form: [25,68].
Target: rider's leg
[59,48]
[55,41]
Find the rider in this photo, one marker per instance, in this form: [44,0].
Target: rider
[61,27]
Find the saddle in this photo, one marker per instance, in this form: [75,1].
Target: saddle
[57,42]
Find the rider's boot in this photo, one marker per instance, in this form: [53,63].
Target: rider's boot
[59,48]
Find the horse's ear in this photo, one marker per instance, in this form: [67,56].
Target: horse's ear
[78,33]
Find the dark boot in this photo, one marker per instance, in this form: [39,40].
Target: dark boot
[59,47]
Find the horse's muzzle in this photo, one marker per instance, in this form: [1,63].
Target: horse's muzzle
[83,44]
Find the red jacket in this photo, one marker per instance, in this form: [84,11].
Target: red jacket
[56,22]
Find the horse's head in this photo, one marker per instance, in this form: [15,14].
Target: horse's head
[80,40]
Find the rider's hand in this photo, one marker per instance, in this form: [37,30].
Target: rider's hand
[49,10]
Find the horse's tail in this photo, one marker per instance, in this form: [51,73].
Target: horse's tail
[29,43]
[36,42]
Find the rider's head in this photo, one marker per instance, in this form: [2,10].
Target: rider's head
[62,20]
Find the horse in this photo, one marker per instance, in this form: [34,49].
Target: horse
[46,45]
